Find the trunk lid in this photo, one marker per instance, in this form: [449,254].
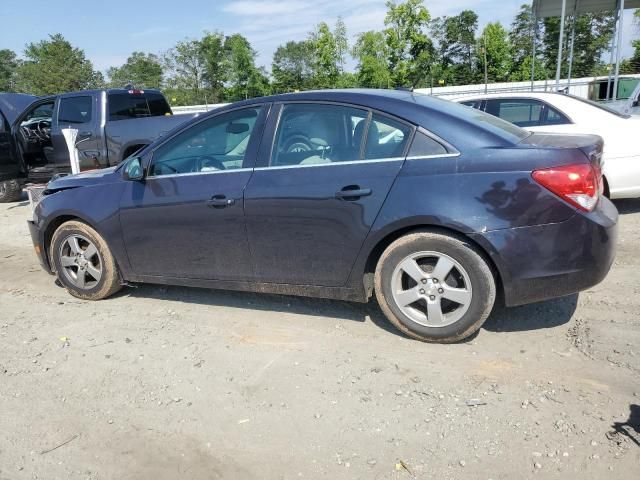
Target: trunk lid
[591,145]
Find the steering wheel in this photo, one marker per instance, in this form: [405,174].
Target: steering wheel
[207,161]
[27,133]
[43,130]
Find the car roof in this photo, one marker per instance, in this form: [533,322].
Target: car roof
[404,104]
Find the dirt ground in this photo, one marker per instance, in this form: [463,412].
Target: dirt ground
[176,383]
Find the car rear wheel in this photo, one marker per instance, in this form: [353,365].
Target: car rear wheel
[83,262]
[434,287]
[10,191]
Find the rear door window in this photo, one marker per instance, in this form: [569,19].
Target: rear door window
[523,113]
[386,138]
[75,110]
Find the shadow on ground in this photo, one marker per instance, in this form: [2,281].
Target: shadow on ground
[630,428]
[529,317]
[626,206]
[547,314]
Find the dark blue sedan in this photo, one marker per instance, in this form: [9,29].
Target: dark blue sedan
[437,207]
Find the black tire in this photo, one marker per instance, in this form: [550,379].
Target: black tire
[109,282]
[483,285]
[10,191]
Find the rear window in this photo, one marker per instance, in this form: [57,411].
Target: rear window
[601,106]
[495,125]
[123,106]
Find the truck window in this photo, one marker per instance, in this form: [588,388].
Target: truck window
[126,105]
[75,109]
[158,105]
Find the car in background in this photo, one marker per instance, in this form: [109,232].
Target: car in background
[629,106]
[562,114]
[435,207]
[112,124]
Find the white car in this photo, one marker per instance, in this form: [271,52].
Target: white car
[560,113]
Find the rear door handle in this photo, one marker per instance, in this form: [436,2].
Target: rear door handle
[220,201]
[353,192]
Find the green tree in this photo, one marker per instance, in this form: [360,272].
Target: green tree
[342,44]
[292,68]
[55,66]
[214,72]
[325,57]
[244,79]
[456,45]
[521,38]
[186,66]
[632,65]
[493,45]
[8,65]
[593,32]
[371,52]
[143,70]
[410,51]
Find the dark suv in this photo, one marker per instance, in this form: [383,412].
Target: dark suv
[436,207]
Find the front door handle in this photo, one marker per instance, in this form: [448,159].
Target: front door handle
[220,201]
[353,192]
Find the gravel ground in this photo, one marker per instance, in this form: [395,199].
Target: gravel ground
[177,383]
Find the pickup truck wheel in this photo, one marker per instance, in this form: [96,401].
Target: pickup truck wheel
[83,262]
[434,287]
[10,191]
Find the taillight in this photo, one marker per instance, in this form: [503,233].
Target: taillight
[578,184]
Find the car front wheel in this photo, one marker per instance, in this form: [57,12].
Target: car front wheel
[434,287]
[83,262]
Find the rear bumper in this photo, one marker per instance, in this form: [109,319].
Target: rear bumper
[547,261]
[37,237]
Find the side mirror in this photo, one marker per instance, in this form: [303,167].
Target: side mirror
[133,170]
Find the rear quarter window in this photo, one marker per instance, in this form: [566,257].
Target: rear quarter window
[424,146]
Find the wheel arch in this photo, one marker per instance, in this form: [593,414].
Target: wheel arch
[375,252]
[63,218]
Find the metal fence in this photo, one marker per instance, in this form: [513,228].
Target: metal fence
[579,87]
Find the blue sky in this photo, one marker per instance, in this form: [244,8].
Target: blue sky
[109,34]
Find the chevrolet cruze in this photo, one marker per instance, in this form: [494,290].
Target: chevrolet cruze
[436,208]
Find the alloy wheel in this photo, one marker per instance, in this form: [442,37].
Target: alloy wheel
[80,261]
[431,288]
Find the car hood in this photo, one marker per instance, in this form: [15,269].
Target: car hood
[13,104]
[84,179]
